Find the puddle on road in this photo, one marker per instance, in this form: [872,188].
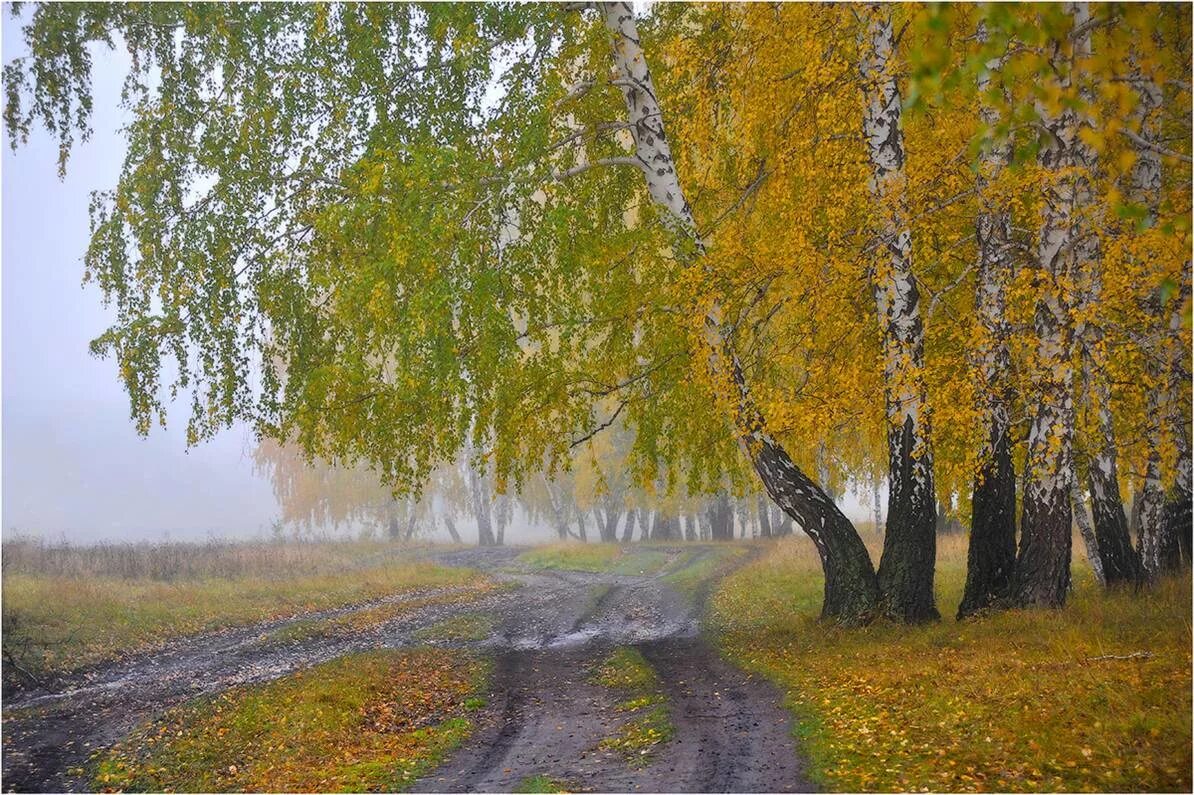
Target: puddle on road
[577,638]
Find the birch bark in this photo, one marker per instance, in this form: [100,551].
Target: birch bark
[450,525]
[991,556]
[481,508]
[1120,561]
[851,588]
[910,543]
[628,528]
[559,510]
[1173,544]
[1087,531]
[1042,575]
[1164,519]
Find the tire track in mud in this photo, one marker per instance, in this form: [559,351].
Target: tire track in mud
[548,718]
[545,715]
[52,730]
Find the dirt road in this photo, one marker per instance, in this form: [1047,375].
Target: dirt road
[546,716]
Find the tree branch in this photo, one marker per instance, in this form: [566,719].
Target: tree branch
[1139,140]
[560,176]
[613,418]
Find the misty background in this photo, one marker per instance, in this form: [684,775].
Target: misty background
[74,468]
[73,465]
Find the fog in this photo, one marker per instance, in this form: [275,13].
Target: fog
[73,466]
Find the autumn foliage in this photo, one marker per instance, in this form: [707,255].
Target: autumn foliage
[744,236]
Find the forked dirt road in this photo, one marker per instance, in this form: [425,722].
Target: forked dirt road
[545,715]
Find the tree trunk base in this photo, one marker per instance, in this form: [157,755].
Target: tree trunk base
[991,558]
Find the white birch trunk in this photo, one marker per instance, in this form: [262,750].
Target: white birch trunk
[850,588]
[1163,549]
[877,504]
[1120,561]
[995,269]
[1145,189]
[1086,529]
[481,508]
[823,470]
[909,545]
[1043,565]
[991,555]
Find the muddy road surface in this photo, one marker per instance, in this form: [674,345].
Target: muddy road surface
[546,716]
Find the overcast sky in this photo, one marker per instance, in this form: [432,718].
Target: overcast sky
[72,463]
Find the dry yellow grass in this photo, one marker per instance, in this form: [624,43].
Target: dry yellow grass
[56,622]
[1017,701]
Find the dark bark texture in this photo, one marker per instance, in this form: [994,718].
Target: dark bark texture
[910,543]
[1121,562]
[851,587]
[907,566]
[1042,575]
[1173,549]
[992,554]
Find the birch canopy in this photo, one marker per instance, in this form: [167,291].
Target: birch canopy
[764,240]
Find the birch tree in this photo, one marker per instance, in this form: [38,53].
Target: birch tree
[851,588]
[1118,559]
[991,555]
[1043,563]
[389,233]
[1164,514]
[910,542]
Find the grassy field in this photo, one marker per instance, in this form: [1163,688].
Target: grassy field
[541,783]
[66,608]
[367,722]
[683,569]
[606,558]
[1093,697]
[695,572]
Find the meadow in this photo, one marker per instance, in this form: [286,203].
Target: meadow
[1092,697]
[66,606]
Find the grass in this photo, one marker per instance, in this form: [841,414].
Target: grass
[541,783]
[458,629]
[57,622]
[298,631]
[598,558]
[1015,701]
[642,559]
[572,557]
[356,622]
[169,561]
[626,670]
[688,576]
[367,722]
